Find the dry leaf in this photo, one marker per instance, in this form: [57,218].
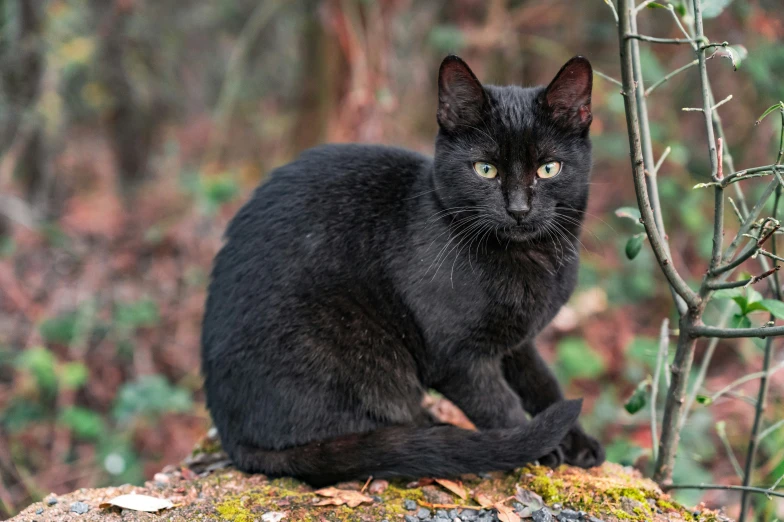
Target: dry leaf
[483,500]
[138,503]
[505,513]
[529,498]
[338,497]
[455,487]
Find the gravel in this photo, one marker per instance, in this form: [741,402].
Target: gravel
[80,508]
[542,515]
[410,505]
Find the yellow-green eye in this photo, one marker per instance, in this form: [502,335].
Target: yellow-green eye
[485,170]
[548,170]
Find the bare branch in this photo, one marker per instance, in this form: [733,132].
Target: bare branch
[736,333]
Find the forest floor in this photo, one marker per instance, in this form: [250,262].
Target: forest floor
[205,487]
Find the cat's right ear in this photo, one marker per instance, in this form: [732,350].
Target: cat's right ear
[461,98]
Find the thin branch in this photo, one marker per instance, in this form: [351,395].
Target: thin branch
[612,8]
[736,333]
[643,200]
[745,283]
[720,429]
[661,358]
[722,102]
[765,491]
[667,77]
[746,378]
[654,39]
[661,160]
[703,372]
[750,218]
[770,429]
[607,77]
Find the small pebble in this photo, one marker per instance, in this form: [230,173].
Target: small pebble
[423,514]
[542,515]
[569,514]
[80,508]
[377,498]
[162,478]
[39,511]
[409,518]
[469,514]
[594,519]
[410,505]
[51,501]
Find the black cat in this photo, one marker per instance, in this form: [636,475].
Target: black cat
[359,276]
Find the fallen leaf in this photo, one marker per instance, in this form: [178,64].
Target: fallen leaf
[273,516]
[338,497]
[505,513]
[138,503]
[529,498]
[455,487]
[483,500]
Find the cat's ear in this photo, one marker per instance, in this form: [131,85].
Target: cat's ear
[569,94]
[461,98]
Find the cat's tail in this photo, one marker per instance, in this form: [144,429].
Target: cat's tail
[408,451]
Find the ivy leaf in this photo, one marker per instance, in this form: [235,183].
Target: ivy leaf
[774,306]
[634,245]
[656,5]
[639,398]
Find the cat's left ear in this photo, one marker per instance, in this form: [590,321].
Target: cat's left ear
[569,94]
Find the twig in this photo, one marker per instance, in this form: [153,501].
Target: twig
[607,77]
[721,430]
[654,39]
[661,357]
[745,282]
[666,78]
[736,333]
[767,492]
[770,429]
[612,8]
[703,372]
[661,160]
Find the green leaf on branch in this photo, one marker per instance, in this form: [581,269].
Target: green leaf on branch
[774,306]
[680,8]
[740,321]
[656,5]
[632,213]
[779,106]
[735,53]
[639,398]
[634,245]
[704,399]
[713,8]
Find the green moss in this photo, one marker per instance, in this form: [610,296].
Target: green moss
[234,511]
[548,488]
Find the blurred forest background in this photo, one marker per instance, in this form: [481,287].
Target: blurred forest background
[132,130]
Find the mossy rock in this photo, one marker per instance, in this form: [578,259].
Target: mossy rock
[207,488]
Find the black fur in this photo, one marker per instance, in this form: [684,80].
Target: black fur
[359,276]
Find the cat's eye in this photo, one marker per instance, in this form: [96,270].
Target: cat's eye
[486,170]
[548,170]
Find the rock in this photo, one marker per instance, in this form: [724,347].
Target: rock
[161,478]
[441,514]
[436,495]
[39,511]
[378,486]
[542,515]
[423,514]
[51,501]
[594,519]
[569,514]
[80,508]
[629,505]
[469,514]
[453,513]
[409,504]
[409,518]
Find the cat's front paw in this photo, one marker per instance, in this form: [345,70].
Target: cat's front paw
[582,450]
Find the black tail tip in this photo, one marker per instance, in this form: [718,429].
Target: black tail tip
[563,413]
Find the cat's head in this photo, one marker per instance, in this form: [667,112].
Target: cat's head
[518,157]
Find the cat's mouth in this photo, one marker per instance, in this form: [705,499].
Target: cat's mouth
[521,232]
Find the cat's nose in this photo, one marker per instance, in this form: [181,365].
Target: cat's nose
[519,210]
